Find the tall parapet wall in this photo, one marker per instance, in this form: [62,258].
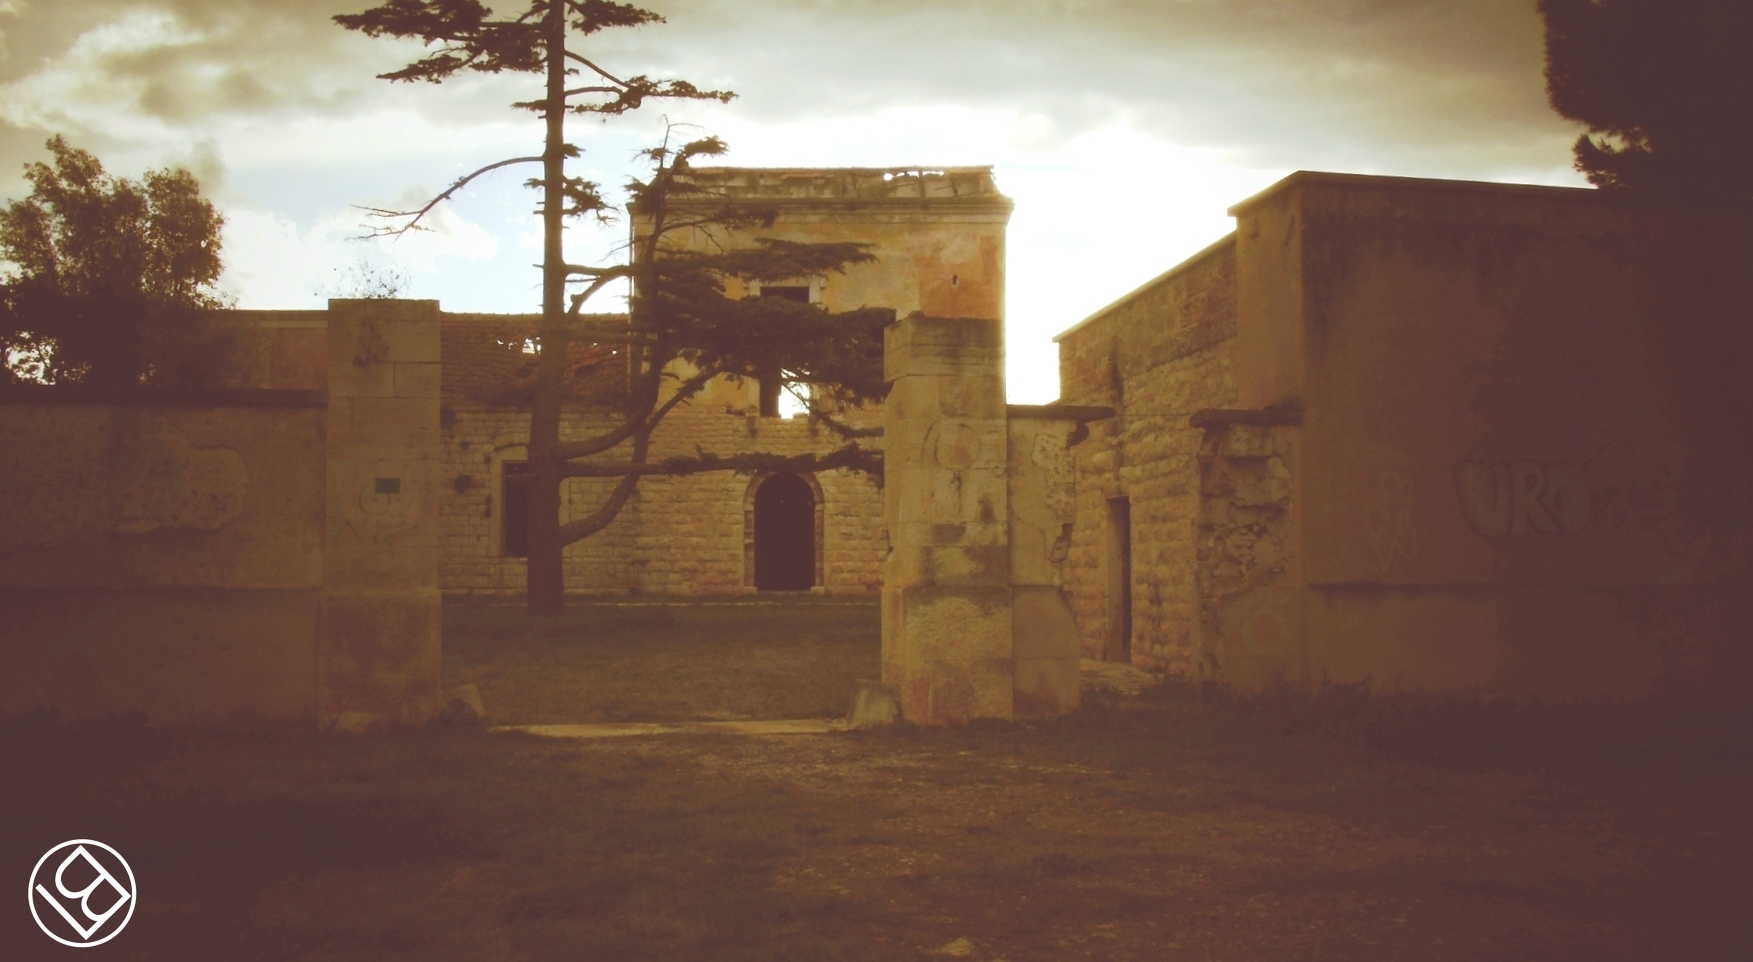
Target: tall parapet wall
[261,550]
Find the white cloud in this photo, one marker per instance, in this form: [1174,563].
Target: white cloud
[1122,128]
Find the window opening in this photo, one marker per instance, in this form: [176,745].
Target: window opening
[776,402]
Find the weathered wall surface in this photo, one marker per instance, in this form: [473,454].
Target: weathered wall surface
[1526,456]
[1045,642]
[162,557]
[378,651]
[1519,461]
[1247,563]
[1449,437]
[937,233]
[677,536]
[280,349]
[1156,356]
[947,615]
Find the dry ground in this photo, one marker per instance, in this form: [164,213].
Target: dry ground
[631,661]
[1163,827]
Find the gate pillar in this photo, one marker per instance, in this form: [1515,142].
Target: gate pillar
[947,651]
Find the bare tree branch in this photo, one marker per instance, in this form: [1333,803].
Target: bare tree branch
[580,528]
[647,421]
[417,215]
[850,457]
[611,78]
[841,428]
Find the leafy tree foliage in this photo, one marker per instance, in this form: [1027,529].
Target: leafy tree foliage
[1665,88]
[110,279]
[682,329]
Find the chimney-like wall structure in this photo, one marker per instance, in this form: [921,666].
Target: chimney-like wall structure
[978,507]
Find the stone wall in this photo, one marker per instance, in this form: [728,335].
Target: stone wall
[1439,436]
[161,552]
[948,647]
[676,536]
[1526,456]
[1245,547]
[1156,356]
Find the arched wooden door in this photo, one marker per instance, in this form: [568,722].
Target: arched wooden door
[785,534]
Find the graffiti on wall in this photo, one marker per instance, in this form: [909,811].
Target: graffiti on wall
[1508,500]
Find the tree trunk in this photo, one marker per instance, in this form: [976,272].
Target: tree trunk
[546,581]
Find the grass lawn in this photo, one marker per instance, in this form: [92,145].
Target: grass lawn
[620,661]
[1155,828]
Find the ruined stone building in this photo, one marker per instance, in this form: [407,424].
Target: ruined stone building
[938,239]
[1427,435]
[1408,434]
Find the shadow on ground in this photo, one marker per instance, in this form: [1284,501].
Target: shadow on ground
[1169,825]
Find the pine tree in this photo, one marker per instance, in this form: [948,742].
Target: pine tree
[680,319]
[1665,88]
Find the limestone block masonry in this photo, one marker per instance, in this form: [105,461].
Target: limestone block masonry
[1428,436]
[378,647]
[974,525]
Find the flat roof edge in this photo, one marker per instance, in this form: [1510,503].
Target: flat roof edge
[1303,178]
[900,169]
[1168,275]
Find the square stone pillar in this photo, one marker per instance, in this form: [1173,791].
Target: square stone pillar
[947,634]
[378,652]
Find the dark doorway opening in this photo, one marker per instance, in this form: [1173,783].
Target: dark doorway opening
[785,534]
[1119,646]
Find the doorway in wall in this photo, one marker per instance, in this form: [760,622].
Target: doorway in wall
[785,534]
[1119,568]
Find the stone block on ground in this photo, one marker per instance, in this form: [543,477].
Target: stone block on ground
[461,704]
[873,705]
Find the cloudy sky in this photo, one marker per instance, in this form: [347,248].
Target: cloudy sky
[1122,128]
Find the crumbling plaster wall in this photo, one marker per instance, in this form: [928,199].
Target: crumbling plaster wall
[1156,357]
[1246,549]
[978,506]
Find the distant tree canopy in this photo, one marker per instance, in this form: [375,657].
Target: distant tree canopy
[1665,88]
[110,279]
